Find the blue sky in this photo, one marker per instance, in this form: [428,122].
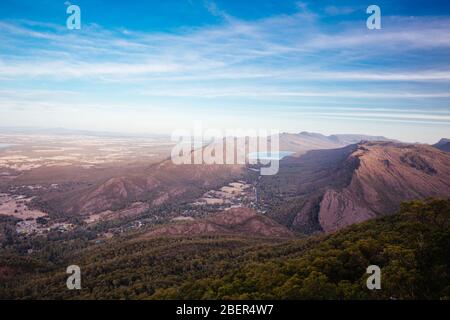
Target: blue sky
[157,66]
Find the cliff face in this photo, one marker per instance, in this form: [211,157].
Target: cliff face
[388,173]
[326,190]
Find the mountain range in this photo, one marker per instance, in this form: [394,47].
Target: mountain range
[325,190]
[165,231]
[326,185]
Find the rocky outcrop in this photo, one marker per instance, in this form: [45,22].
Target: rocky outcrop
[240,221]
[388,173]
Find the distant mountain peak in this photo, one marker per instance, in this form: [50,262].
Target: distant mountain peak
[443,140]
[443,144]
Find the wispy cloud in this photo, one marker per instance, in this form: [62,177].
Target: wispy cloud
[269,46]
[282,60]
[261,91]
[337,11]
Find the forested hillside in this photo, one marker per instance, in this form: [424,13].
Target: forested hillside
[410,247]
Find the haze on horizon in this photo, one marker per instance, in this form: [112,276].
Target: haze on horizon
[295,66]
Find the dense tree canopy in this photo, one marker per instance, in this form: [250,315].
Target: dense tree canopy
[411,248]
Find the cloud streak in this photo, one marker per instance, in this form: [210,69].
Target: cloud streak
[269,46]
[280,61]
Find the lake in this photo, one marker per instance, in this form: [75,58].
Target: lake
[270,155]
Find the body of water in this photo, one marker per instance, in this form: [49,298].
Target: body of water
[4,145]
[269,155]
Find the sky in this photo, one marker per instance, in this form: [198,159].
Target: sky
[158,66]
